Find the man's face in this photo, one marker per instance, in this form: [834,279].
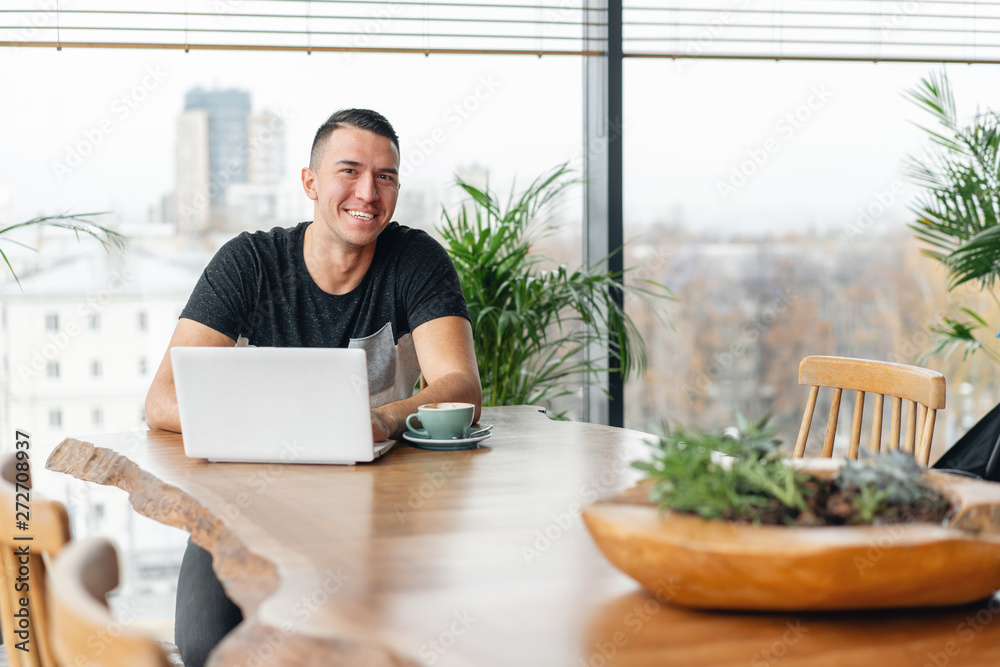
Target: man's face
[355,187]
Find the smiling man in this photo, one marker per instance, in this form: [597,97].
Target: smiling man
[349,278]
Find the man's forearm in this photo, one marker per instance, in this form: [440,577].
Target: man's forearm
[454,387]
[161,407]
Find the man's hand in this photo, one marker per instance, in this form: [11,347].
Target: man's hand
[161,401]
[448,365]
[383,426]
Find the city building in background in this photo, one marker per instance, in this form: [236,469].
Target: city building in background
[231,172]
[226,113]
[81,338]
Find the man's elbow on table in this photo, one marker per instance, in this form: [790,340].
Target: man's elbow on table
[459,387]
[473,393]
[161,408]
[161,399]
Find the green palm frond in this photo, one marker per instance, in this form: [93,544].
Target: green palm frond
[955,335]
[78,224]
[532,325]
[958,209]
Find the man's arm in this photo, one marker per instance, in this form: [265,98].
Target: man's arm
[448,365]
[161,401]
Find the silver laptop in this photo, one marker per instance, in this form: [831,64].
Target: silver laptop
[275,404]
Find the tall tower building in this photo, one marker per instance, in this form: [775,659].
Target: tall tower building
[230,165]
[227,112]
[192,202]
[266,148]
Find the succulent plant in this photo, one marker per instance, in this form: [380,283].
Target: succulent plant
[890,480]
[741,474]
[737,474]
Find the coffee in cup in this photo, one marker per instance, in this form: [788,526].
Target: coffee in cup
[442,421]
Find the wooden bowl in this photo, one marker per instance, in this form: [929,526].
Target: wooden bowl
[693,562]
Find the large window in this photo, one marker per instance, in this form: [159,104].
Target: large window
[771,198]
[112,144]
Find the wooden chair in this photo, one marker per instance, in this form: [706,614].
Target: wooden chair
[922,388]
[49,531]
[82,627]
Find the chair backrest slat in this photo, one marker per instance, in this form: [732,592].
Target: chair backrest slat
[911,426]
[876,440]
[921,388]
[897,420]
[921,419]
[924,451]
[859,412]
[800,442]
[831,424]
[49,530]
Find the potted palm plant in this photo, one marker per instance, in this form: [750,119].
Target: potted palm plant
[958,210]
[531,324]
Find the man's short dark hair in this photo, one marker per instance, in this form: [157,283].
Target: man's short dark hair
[363,119]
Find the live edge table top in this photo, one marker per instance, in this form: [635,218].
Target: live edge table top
[474,558]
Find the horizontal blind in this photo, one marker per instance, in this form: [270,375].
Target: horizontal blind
[542,27]
[868,30]
[865,30]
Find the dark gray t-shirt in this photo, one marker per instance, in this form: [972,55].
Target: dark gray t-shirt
[257,286]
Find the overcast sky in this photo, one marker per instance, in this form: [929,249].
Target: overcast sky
[736,146]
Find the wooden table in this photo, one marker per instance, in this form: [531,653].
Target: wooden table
[472,558]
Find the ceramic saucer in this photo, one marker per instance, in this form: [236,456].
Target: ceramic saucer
[451,444]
